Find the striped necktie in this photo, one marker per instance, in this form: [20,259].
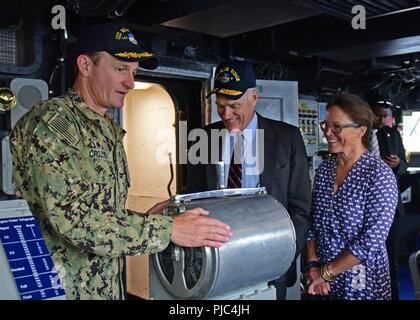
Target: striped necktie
[235,170]
[375,144]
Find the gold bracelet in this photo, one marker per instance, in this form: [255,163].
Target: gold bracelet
[326,273]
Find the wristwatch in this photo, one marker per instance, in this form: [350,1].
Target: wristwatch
[312,264]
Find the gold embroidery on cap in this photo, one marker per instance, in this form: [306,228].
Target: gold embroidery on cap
[126,54]
[229,92]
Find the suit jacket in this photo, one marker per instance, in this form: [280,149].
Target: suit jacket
[285,175]
[390,142]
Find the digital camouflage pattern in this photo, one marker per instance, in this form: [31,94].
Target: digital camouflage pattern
[70,165]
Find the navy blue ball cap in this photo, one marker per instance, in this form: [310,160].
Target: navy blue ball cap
[118,41]
[233,78]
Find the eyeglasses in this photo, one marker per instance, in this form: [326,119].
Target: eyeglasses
[336,128]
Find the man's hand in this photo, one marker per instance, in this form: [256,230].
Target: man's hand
[194,229]
[392,160]
[158,207]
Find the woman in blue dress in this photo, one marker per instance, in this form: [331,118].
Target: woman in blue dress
[353,205]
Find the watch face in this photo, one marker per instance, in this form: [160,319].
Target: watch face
[312,264]
[165,260]
[7,99]
[193,264]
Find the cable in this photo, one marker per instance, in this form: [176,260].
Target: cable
[118,12]
[60,66]
[171,168]
[112,9]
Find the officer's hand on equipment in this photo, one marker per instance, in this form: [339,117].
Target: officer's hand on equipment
[194,229]
[158,207]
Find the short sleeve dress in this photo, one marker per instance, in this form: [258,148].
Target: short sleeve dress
[357,219]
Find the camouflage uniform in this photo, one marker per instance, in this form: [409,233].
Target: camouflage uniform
[70,165]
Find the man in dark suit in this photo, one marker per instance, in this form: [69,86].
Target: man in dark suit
[391,150]
[282,165]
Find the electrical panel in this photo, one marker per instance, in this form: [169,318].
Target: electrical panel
[308,125]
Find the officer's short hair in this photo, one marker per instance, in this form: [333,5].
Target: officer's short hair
[94,56]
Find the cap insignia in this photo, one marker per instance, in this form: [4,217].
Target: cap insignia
[134,55]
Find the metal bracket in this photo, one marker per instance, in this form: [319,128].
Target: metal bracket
[218,194]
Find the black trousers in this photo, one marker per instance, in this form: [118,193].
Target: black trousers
[392,250]
[281,287]
[286,280]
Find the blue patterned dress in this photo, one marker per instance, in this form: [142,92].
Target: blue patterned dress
[357,218]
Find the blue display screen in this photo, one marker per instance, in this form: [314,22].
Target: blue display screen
[29,259]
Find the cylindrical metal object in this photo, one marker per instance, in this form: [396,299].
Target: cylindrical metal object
[261,249]
[220,171]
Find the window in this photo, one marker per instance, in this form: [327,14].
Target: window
[411,132]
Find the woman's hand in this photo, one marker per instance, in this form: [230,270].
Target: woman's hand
[317,284]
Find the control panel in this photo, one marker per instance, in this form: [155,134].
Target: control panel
[27,271]
[308,125]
